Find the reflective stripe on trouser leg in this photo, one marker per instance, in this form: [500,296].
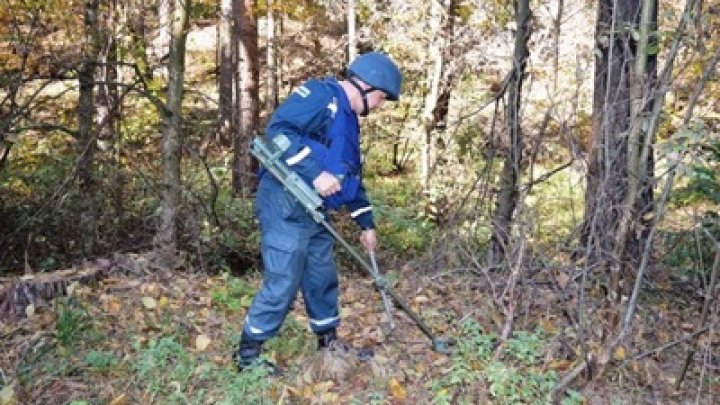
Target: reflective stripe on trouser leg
[320,283]
[284,246]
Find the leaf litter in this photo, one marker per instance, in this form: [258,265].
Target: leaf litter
[122,314]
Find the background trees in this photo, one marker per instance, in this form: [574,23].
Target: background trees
[577,140]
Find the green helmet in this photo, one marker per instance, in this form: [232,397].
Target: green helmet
[379,71]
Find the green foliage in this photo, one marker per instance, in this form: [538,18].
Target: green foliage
[74,324]
[164,368]
[203,9]
[173,375]
[524,347]
[693,253]
[556,205]
[399,215]
[291,341]
[517,379]
[704,174]
[234,295]
[100,361]
[249,387]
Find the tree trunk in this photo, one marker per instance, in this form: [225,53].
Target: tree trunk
[351,30]
[272,97]
[172,127]
[227,74]
[509,181]
[611,199]
[438,96]
[108,107]
[557,27]
[244,167]
[87,139]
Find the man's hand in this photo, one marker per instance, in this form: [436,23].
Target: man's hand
[326,184]
[368,238]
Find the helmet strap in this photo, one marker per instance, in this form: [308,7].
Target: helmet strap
[363,94]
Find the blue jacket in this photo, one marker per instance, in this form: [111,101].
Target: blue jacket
[325,136]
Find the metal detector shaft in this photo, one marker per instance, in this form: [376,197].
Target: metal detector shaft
[385,299]
[269,154]
[380,283]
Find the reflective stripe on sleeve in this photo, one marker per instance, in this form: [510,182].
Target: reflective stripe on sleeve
[360,211]
[304,152]
[332,106]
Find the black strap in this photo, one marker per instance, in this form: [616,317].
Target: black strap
[363,93]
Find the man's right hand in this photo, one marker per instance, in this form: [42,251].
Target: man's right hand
[326,184]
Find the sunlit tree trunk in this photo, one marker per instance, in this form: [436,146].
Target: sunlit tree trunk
[272,98]
[557,26]
[162,41]
[87,138]
[172,127]
[507,198]
[439,86]
[351,30]
[244,166]
[227,74]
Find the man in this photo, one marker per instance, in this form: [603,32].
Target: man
[320,118]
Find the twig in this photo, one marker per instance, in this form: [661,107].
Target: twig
[568,379]
[674,343]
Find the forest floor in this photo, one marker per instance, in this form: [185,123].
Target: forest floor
[149,336]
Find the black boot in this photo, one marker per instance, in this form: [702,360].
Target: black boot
[248,355]
[328,340]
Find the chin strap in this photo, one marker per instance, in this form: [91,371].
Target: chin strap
[363,93]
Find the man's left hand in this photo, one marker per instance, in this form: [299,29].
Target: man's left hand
[368,238]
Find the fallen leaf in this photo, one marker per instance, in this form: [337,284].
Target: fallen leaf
[619,353]
[163,301]
[560,365]
[202,342]
[562,280]
[113,306]
[149,302]
[120,400]
[421,299]
[396,389]
[30,310]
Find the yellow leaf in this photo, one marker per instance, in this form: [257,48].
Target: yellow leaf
[619,353]
[113,306]
[120,400]
[396,389]
[548,325]
[560,365]
[163,301]
[202,342]
[149,302]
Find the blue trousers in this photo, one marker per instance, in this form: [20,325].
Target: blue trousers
[297,253]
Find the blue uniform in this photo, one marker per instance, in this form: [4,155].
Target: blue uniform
[298,252]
